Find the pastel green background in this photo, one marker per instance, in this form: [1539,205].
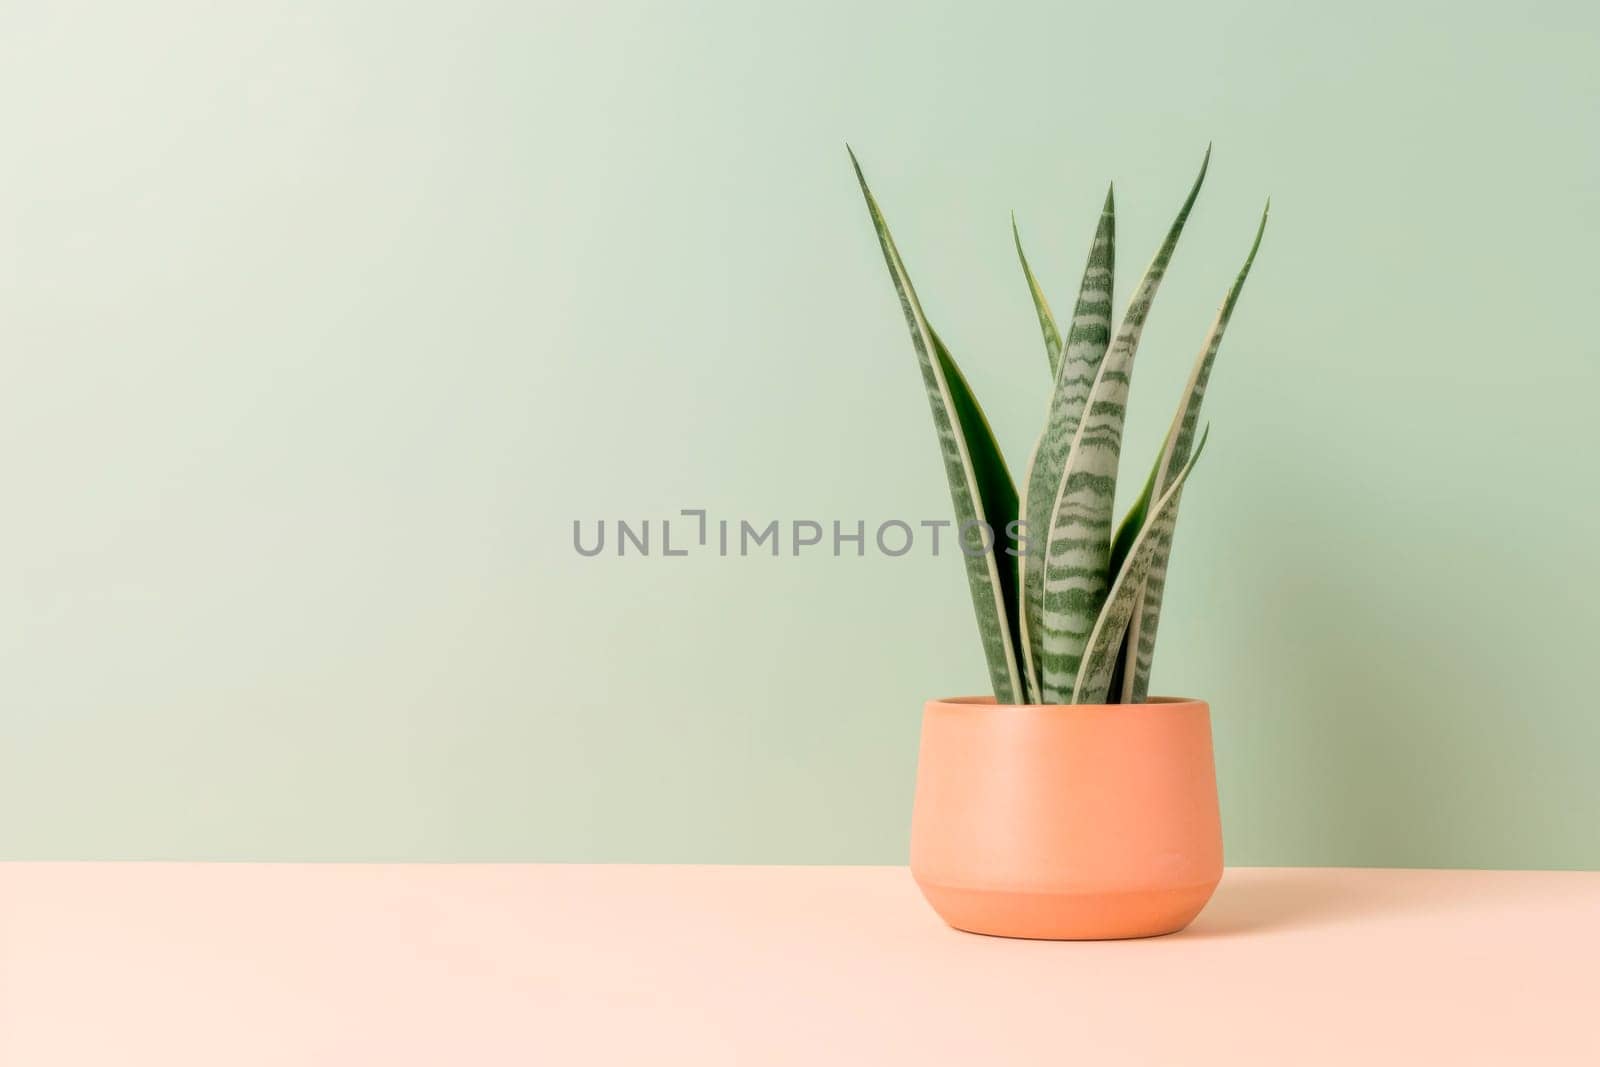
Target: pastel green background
[322,322]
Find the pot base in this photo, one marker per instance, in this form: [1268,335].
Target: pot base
[1068,916]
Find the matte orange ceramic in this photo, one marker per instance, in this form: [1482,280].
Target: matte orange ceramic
[1066,822]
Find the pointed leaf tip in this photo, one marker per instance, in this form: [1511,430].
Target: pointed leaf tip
[856,163]
[1256,244]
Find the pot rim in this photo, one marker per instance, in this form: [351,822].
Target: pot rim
[989,704]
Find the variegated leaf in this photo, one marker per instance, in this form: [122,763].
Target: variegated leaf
[997,495]
[1140,642]
[958,440]
[1078,537]
[1087,338]
[1100,655]
[1047,319]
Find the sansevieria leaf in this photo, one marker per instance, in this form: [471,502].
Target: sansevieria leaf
[1087,338]
[1078,537]
[1047,320]
[1100,655]
[972,463]
[1139,644]
[997,495]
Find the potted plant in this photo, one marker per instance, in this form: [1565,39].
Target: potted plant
[1070,803]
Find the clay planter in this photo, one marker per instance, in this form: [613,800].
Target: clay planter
[1066,821]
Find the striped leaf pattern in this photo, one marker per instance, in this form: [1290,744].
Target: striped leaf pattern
[958,440]
[1139,644]
[1100,657]
[1087,339]
[1078,538]
[1047,320]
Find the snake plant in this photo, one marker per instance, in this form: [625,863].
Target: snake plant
[1068,609]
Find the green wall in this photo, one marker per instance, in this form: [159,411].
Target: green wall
[322,322]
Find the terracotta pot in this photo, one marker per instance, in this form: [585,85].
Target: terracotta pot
[1066,822]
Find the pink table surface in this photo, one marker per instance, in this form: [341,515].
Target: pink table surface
[230,965]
